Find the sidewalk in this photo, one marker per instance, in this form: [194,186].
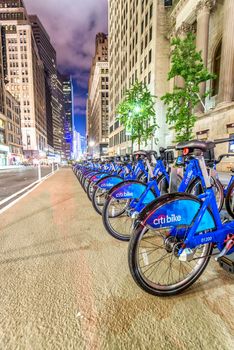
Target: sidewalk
[65,284]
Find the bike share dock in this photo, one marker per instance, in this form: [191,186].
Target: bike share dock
[65,284]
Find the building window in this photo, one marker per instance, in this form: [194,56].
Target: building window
[150,34]
[216,69]
[231,143]
[150,56]
[146,19]
[149,78]
[151,10]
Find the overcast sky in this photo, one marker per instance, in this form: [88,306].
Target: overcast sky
[72,26]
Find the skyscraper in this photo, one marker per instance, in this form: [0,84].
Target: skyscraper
[54,112]
[59,133]
[25,76]
[98,99]
[138,50]
[69,126]
[10,126]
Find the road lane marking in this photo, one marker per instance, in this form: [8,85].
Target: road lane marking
[36,184]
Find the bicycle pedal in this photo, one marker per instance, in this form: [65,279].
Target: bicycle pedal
[226,264]
[228,246]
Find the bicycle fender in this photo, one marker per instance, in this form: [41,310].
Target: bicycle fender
[131,189]
[176,209]
[95,178]
[108,182]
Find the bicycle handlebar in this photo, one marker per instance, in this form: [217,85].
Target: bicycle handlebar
[223,140]
[223,156]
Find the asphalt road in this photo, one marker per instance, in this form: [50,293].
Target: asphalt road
[65,284]
[13,180]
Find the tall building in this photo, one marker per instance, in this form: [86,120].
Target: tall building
[77,147]
[138,50]
[48,56]
[10,126]
[213,24]
[4,149]
[54,111]
[25,76]
[98,99]
[59,134]
[69,127]
[14,136]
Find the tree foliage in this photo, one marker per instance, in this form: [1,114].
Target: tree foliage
[187,64]
[137,113]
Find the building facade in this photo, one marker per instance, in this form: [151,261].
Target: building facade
[69,127]
[98,100]
[58,123]
[25,76]
[14,136]
[48,56]
[212,21]
[77,147]
[11,150]
[138,50]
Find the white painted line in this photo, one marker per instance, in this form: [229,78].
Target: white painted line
[17,193]
[24,189]
[25,194]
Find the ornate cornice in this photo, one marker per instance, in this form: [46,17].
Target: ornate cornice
[185,28]
[205,5]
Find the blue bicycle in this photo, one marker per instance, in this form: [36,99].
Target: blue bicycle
[127,199]
[174,235]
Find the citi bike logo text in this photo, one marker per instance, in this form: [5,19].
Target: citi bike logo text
[107,184]
[190,173]
[167,219]
[124,194]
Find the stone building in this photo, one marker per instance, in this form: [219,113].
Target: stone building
[25,76]
[98,99]
[13,137]
[138,50]
[212,21]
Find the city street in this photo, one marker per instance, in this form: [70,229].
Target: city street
[65,284]
[13,180]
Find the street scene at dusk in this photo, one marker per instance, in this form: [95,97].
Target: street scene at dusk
[117,174]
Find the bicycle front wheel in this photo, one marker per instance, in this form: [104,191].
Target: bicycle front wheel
[154,263]
[116,218]
[195,188]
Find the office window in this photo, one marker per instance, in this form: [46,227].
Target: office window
[149,78]
[150,56]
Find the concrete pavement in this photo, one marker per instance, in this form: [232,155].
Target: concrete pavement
[65,284]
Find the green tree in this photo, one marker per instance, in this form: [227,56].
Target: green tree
[137,113]
[187,64]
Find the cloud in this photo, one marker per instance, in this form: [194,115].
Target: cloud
[72,26]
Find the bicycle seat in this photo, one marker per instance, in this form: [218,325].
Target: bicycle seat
[196,144]
[140,153]
[153,153]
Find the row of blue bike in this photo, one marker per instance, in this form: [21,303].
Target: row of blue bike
[169,209]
